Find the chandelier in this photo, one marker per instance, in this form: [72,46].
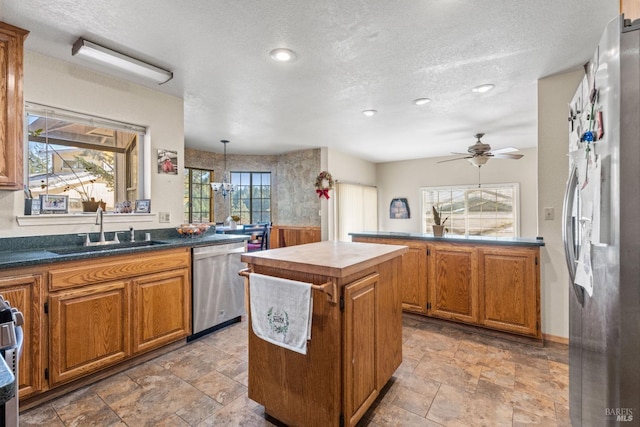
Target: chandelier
[225,188]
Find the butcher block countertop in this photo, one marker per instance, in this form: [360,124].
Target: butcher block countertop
[328,258]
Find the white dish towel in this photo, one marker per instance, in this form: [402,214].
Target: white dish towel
[281,311]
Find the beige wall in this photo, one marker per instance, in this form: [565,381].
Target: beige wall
[554,95]
[404,179]
[60,84]
[348,169]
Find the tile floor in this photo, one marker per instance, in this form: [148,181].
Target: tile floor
[449,377]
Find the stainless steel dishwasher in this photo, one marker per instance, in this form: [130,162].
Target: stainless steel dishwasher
[218,290]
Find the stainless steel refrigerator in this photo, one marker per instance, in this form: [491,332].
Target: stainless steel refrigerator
[601,228]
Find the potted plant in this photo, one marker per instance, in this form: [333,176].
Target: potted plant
[438,226]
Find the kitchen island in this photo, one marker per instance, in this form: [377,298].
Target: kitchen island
[356,334]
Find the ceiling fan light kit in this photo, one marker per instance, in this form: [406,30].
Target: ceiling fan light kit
[480,153]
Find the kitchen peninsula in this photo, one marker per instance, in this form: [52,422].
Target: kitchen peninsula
[490,282]
[356,335]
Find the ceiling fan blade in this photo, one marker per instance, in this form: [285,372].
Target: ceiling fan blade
[505,150]
[507,156]
[457,158]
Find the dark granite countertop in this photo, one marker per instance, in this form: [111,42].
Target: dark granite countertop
[36,250]
[7,383]
[506,241]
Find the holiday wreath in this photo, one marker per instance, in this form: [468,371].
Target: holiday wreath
[324,183]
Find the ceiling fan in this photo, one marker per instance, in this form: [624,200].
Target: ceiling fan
[479,153]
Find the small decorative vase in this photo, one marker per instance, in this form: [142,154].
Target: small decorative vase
[438,230]
[229,222]
[92,205]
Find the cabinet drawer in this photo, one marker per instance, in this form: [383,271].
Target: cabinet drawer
[87,272]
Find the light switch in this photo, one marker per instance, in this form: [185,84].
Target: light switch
[548,214]
[164,217]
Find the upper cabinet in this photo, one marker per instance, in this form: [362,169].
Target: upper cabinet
[11,106]
[630,9]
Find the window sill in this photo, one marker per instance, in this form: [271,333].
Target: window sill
[81,218]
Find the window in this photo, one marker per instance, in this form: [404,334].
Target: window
[356,209]
[83,157]
[198,206]
[471,211]
[252,199]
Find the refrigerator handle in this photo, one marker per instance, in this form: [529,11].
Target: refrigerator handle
[568,232]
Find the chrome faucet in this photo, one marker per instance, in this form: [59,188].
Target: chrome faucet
[99,221]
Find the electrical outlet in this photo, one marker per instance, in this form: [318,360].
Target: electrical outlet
[164,217]
[548,214]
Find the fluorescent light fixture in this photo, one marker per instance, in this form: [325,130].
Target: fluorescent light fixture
[100,54]
[483,88]
[282,55]
[369,113]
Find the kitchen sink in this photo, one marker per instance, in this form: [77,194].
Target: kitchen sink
[104,247]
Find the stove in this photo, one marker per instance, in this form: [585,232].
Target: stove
[11,339]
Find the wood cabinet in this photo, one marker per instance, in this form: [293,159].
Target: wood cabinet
[453,282]
[23,290]
[11,106]
[361,344]
[160,309]
[284,235]
[478,283]
[89,330]
[356,339]
[107,310]
[413,284]
[509,287]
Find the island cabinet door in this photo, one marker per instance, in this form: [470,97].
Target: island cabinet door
[361,347]
[89,330]
[509,289]
[453,283]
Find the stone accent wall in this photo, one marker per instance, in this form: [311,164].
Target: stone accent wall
[293,198]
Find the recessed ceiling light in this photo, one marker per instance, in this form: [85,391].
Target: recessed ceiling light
[421,101]
[369,113]
[483,88]
[282,55]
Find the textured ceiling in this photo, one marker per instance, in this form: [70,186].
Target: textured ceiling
[352,55]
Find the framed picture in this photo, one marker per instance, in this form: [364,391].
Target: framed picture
[54,203]
[399,209]
[168,162]
[143,206]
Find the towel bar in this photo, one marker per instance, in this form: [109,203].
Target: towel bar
[329,288]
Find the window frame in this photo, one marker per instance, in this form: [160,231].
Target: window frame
[122,166]
[425,211]
[236,195]
[190,191]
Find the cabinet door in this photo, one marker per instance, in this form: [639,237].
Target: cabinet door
[414,278]
[23,292]
[509,288]
[11,105]
[413,283]
[361,347]
[161,309]
[453,284]
[89,330]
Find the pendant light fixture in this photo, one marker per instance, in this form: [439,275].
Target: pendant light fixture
[225,188]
